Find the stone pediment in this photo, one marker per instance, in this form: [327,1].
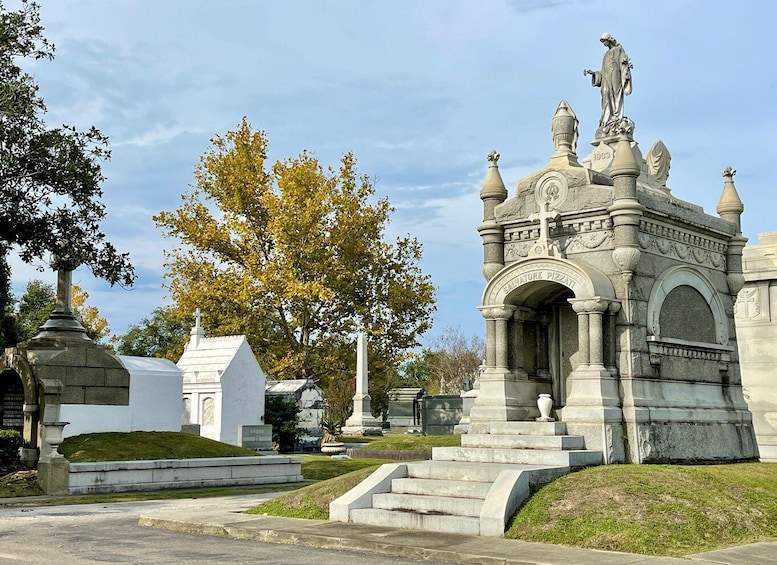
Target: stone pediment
[586,189]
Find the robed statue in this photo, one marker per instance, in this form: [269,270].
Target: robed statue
[614,80]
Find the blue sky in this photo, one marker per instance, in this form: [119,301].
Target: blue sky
[420,91]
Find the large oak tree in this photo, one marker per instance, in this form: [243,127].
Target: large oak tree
[294,256]
[49,177]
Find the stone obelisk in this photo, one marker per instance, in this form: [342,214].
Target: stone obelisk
[361,421]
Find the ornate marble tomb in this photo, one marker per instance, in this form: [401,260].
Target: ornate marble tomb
[606,291]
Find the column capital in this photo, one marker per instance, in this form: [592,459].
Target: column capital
[614,307]
[589,305]
[503,312]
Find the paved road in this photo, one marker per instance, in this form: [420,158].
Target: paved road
[108,533]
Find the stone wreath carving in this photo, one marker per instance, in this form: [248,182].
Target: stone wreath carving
[681,251]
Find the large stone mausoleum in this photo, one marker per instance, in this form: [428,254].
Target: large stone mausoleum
[610,337]
[613,295]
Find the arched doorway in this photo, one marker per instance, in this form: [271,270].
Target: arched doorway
[550,328]
[543,337]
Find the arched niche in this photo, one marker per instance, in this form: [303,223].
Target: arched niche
[686,287]
[524,281]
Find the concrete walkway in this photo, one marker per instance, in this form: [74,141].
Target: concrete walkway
[412,544]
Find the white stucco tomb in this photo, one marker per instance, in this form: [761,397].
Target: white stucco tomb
[154,402]
[223,385]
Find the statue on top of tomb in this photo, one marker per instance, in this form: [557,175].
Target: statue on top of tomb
[614,80]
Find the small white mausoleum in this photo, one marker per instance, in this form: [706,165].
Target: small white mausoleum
[154,402]
[223,385]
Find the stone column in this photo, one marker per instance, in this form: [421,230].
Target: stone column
[596,341]
[543,363]
[593,404]
[612,338]
[518,344]
[583,335]
[500,398]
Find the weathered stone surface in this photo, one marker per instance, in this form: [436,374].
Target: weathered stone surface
[756,321]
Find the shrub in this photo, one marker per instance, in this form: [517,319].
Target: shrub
[283,415]
[10,442]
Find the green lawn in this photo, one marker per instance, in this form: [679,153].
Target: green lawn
[671,510]
[133,446]
[412,442]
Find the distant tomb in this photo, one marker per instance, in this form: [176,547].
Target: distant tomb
[404,410]
[223,385]
[440,413]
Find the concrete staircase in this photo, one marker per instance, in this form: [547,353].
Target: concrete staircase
[472,489]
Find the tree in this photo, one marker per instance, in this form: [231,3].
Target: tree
[449,365]
[49,177]
[96,326]
[35,305]
[39,299]
[294,257]
[456,360]
[164,334]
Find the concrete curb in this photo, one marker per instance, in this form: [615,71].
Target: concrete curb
[450,548]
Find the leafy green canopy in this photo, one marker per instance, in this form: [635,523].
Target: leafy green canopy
[49,177]
[163,334]
[294,256]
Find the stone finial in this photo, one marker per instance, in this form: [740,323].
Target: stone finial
[563,126]
[658,161]
[730,206]
[493,185]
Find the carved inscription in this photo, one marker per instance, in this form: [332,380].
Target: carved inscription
[536,272]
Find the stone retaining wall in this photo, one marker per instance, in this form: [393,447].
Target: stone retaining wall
[161,474]
[396,455]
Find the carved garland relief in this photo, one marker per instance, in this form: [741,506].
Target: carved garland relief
[682,245]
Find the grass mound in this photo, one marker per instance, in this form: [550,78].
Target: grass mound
[312,501]
[134,446]
[669,510]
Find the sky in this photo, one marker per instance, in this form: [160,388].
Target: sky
[420,91]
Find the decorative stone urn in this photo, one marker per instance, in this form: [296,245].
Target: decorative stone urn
[332,447]
[52,438]
[545,404]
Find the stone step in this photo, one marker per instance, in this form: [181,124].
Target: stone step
[523,441]
[453,470]
[466,525]
[569,458]
[424,504]
[441,487]
[528,428]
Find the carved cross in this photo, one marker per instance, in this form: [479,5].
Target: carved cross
[545,216]
[197,318]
